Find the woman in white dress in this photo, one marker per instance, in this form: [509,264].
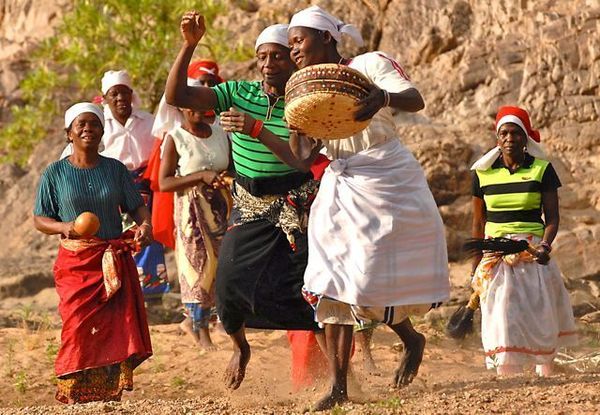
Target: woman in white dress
[376,240]
[526,314]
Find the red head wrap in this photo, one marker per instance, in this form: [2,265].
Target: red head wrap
[202,67]
[517,116]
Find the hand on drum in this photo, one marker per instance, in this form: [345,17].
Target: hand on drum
[369,106]
[236,121]
[192,27]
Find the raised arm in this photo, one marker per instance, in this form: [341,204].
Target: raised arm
[234,120]
[177,91]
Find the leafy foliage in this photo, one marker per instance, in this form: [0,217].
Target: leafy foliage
[141,36]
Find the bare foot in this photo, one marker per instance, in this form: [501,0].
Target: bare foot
[186,327]
[236,370]
[219,327]
[410,362]
[333,398]
[204,340]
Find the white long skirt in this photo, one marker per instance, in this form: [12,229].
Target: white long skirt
[375,236]
[526,314]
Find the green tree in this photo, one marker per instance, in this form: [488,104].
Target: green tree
[141,36]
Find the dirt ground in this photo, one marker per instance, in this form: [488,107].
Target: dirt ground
[181,379]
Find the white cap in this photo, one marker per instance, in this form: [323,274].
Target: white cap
[75,110]
[112,78]
[276,33]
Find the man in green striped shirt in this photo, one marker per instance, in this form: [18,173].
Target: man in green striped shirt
[263,256]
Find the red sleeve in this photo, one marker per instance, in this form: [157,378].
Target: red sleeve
[319,166]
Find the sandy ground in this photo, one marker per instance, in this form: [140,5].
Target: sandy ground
[181,379]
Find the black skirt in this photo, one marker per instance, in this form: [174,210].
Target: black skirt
[260,278]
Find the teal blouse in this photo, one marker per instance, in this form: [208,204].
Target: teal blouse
[107,189]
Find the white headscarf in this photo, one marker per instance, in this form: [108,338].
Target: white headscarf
[75,110]
[316,18]
[112,78]
[276,33]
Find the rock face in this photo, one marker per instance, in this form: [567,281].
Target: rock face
[466,57]
[23,23]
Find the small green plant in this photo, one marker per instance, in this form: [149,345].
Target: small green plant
[178,382]
[494,359]
[51,351]
[396,404]
[158,367]
[20,384]
[26,313]
[10,356]
[338,410]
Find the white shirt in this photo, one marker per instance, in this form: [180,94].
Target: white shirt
[387,74]
[131,143]
[199,154]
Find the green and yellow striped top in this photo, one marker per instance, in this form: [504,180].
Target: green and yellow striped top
[513,201]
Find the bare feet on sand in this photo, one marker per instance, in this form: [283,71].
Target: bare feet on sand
[204,340]
[410,362]
[236,370]
[186,327]
[333,398]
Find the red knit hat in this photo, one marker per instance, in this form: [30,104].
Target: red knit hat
[517,116]
[204,66]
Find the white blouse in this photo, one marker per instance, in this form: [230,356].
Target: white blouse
[387,74]
[198,154]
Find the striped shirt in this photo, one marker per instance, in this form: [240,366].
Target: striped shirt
[513,200]
[65,191]
[252,158]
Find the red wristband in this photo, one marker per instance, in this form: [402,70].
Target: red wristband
[256,128]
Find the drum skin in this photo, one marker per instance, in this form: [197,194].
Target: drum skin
[320,101]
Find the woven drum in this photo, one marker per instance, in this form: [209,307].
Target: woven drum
[320,100]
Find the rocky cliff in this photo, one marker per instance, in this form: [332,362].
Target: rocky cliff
[467,58]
